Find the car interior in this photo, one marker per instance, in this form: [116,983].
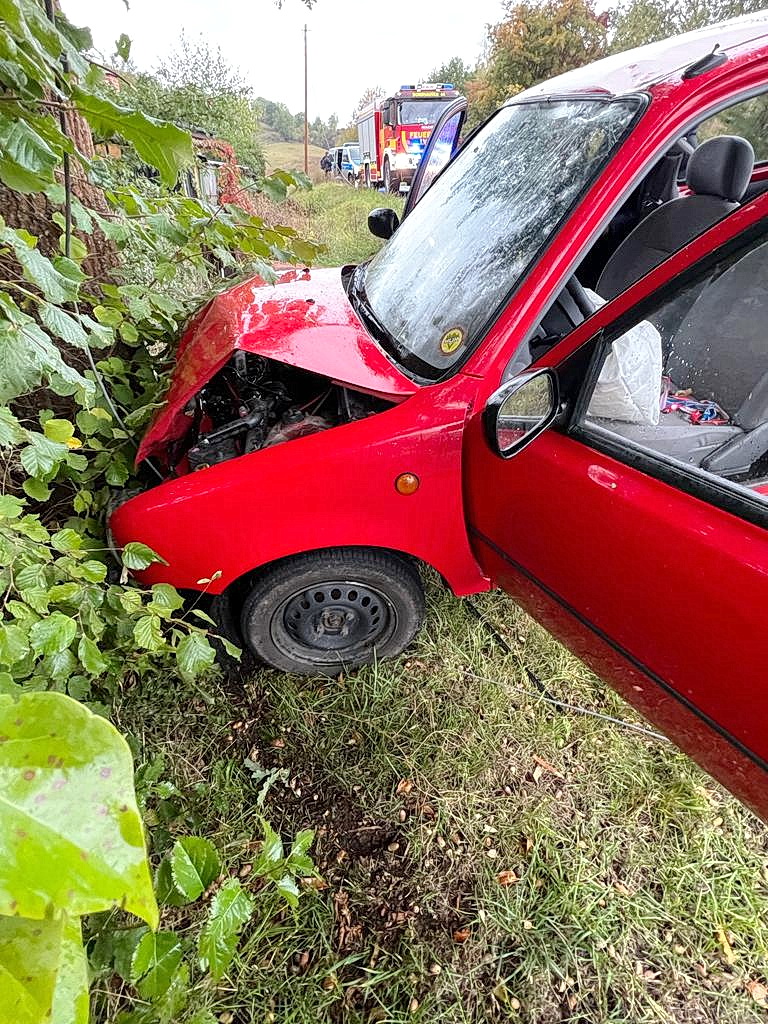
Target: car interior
[688,190]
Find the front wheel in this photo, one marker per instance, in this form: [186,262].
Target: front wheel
[328,611]
[391,181]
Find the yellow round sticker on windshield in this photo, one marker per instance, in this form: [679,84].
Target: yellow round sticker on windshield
[451,340]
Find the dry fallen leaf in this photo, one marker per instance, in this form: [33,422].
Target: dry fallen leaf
[461,934]
[278,744]
[318,884]
[507,877]
[728,954]
[548,767]
[537,772]
[404,786]
[758,992]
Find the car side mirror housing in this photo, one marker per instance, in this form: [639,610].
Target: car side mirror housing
[383,222]
[520,410]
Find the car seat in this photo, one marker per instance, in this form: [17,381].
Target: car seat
[718,174]
[719,351]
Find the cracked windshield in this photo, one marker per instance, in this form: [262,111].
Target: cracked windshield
[503,198]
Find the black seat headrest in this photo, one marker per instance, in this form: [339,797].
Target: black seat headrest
[721,167]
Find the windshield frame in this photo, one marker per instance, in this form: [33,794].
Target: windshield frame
[408,362]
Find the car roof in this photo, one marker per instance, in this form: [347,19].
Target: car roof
[663,61]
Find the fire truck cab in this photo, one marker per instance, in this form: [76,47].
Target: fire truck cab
[394,132]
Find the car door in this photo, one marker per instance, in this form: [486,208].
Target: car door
[636,544]
[441,147]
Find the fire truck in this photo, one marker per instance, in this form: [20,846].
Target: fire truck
[393,133]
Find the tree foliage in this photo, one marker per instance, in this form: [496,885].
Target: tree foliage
[83,365]
[455,71]
[636,22]
[194,86]
[533,42]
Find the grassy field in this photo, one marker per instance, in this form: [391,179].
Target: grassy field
[486,856]
[289,156]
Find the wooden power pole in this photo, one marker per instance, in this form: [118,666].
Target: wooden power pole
[306,120]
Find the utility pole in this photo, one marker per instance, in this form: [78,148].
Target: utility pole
[306,121]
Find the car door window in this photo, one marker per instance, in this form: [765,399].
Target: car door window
[748,119]
[685,385]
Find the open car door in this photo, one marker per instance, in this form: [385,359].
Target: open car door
[441,148]
[640,536]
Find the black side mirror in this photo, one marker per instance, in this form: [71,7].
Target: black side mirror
[383,222]
[520,410]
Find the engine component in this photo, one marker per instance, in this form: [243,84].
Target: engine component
[254,403]
[289,431]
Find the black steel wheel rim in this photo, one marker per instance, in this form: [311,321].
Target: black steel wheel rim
[334,619]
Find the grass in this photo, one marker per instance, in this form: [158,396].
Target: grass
[636,889]
[289,156]
[487,856]
[335,215]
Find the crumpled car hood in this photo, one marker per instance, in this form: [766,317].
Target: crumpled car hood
[304,320]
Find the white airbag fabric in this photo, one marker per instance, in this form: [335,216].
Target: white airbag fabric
[629,385]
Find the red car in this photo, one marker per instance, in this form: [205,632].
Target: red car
[553,379]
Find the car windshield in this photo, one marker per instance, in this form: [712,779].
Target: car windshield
[420,111]
[439,281]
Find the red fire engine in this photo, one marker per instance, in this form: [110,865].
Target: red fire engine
[393,132]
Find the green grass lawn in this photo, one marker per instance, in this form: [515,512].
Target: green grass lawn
[289,156]
[486,855]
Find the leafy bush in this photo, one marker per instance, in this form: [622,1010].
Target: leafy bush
[84,363]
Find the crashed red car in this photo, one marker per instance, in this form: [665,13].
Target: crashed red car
[553,379]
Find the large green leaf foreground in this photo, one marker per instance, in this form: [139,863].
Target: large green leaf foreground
[71,843]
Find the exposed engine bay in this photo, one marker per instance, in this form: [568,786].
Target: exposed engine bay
[254,403]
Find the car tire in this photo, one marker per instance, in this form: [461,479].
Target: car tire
[329,611]
[391,181]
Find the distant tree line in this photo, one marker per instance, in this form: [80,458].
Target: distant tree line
[195,87]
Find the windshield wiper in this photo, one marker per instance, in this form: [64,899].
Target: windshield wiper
[363,308]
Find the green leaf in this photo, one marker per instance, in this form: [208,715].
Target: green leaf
[93,571]
[41,456]
[52,634]
[230,910]
[13,644]
[38,269]
[167,597]
[36,489]
[11,431]
[70,997]
[72,837]
[66,541]
[123,46]
[194,655]
[10,507]
[167,893]
[154,963]
[27,158]
[148,633]
[28,354]
[64,593]
[30,954]
[194,865]
[90,657]
[58,430]
[160,144]
[63,325]
[139,556]
[288,889]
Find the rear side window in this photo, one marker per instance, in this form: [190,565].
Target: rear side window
[688,383]
[748,119]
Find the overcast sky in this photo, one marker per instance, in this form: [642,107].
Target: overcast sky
[351,44]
